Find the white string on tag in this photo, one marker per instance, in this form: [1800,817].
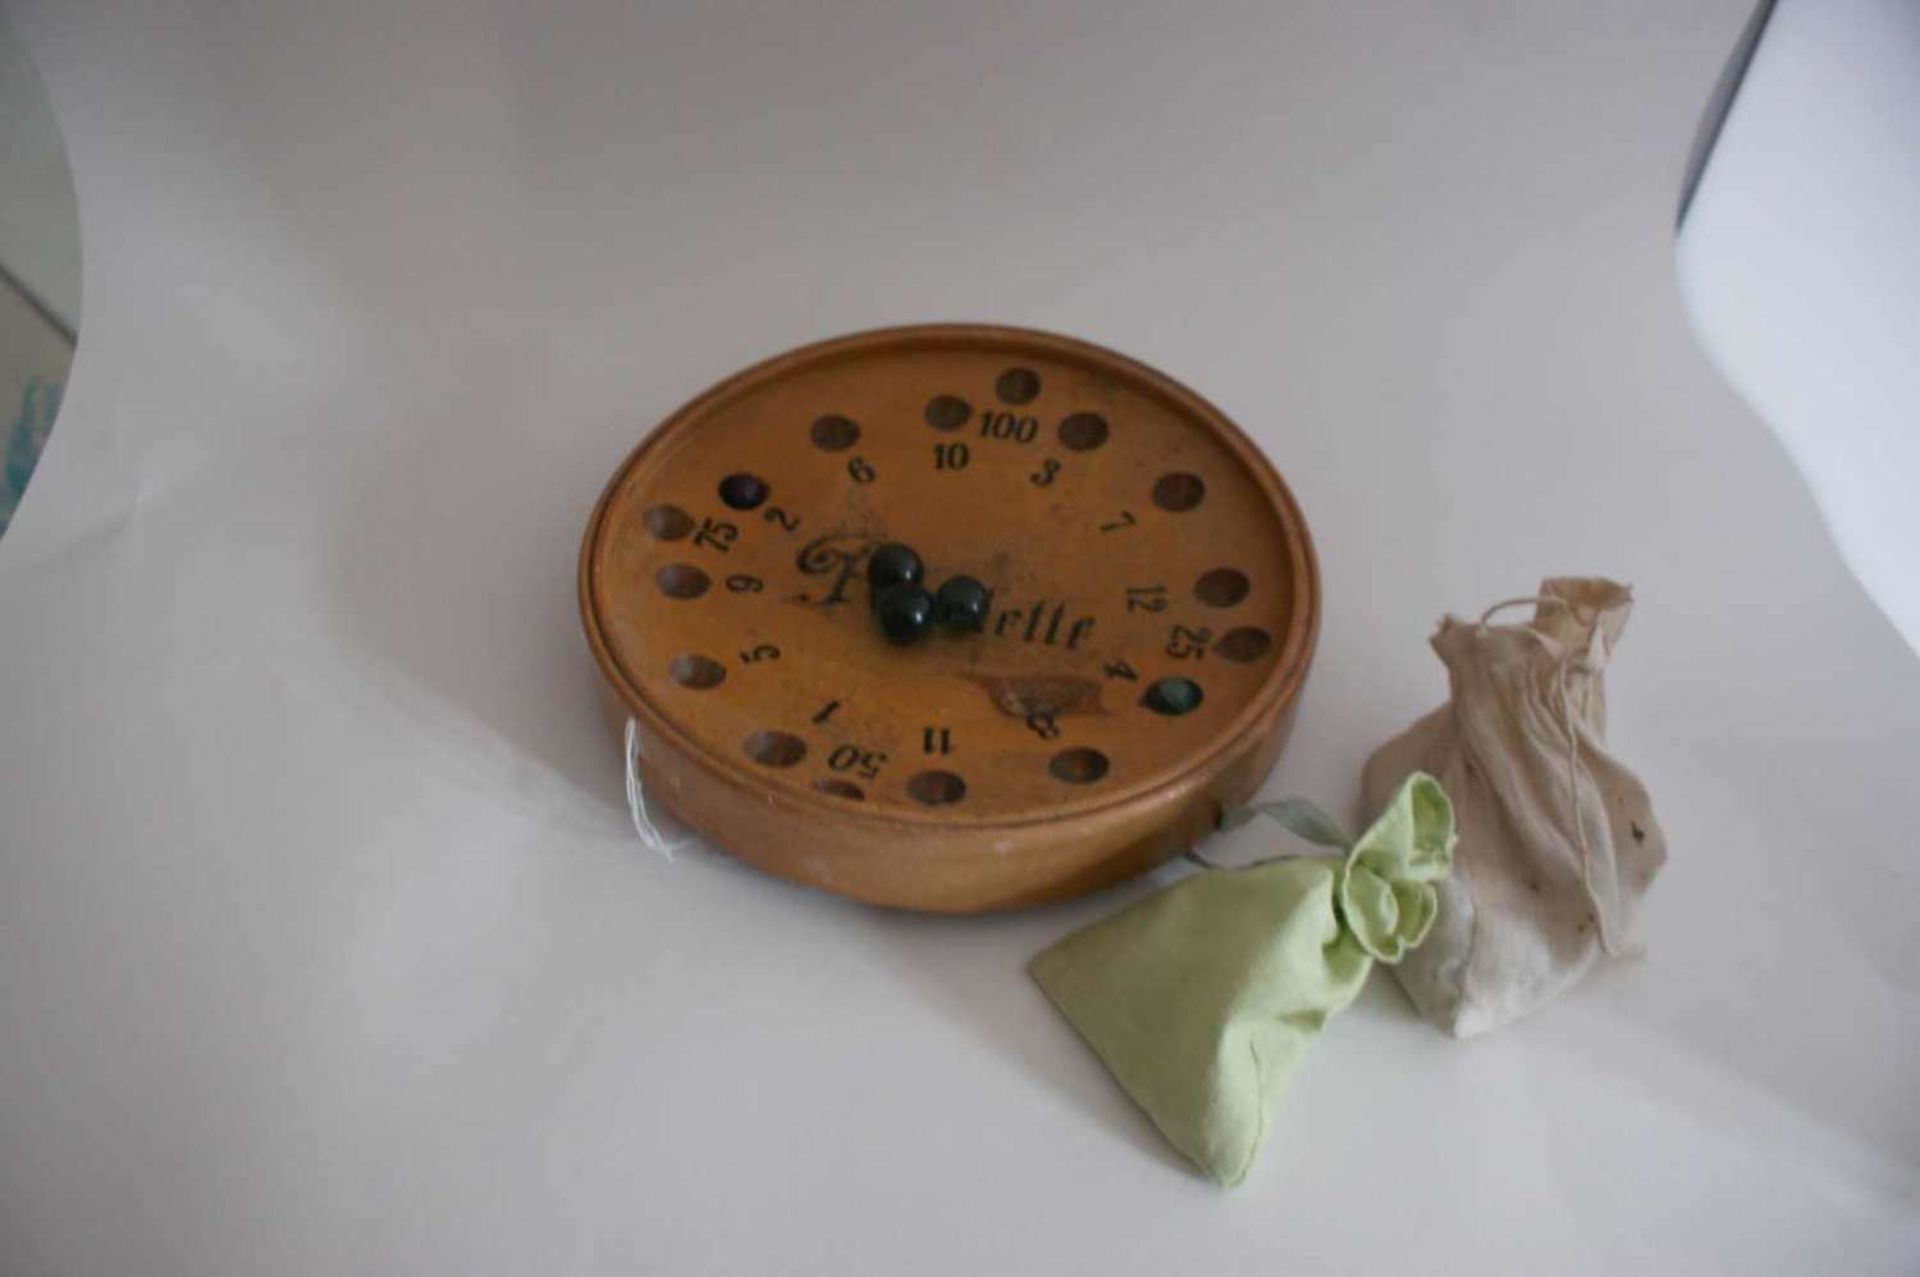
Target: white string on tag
[643,822]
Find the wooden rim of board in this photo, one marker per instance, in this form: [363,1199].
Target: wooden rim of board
[1256,719]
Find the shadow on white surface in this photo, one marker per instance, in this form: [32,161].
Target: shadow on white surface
[451,563]
[973,970]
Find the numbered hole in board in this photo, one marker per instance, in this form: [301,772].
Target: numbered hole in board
[1083,432]
[1222,587]
[948,412]
[1178,492]
[834,433]
[775,749]
[1078,766]
[1248,643]
[1017,386]
[838,788]
[697,672]
[682,581]
[743,491]
[936,788]
[668,522]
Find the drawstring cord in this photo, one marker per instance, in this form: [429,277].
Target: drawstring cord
[1570,724]
[1296,815]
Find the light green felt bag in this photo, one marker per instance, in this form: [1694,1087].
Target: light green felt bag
[1203,998]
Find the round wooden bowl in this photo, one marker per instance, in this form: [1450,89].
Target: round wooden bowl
[1154,602]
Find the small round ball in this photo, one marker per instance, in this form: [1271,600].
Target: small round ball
[1173,697]
[960,605]
[893,564]
[905,611]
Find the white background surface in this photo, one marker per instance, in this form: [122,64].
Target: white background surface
[1801,267]
[324,944]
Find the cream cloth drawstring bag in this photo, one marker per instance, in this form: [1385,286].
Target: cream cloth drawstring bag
[1557,838]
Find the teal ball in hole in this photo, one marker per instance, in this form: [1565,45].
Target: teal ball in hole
[1172,696]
